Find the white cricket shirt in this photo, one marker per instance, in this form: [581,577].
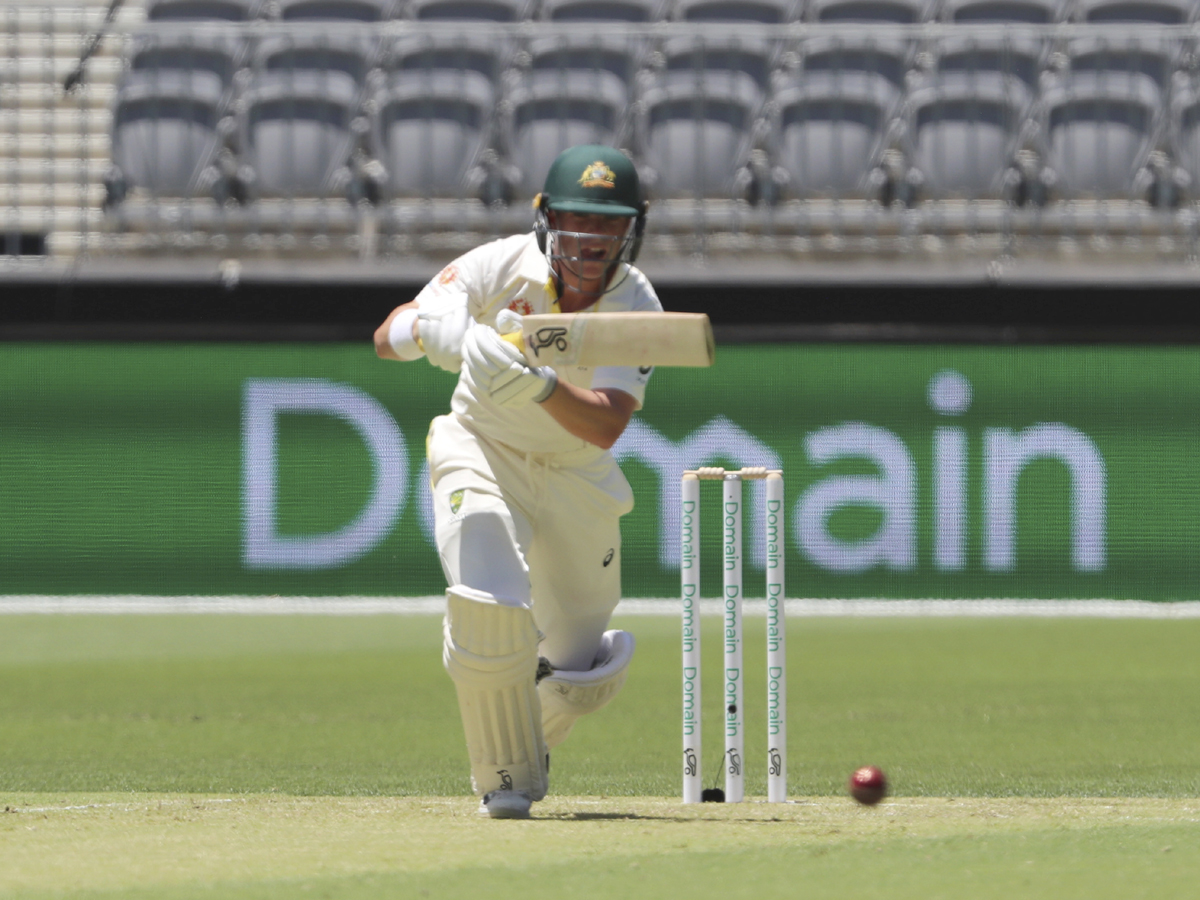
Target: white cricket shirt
[512,273]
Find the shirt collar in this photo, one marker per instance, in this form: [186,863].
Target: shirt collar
[532,265]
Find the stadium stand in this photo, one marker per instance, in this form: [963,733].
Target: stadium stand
[763,120]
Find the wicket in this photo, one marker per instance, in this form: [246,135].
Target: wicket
[732,598]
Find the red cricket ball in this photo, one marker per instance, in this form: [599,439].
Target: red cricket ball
[868,785]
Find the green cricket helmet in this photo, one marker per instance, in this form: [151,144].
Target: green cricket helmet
[594,179]
[591,179]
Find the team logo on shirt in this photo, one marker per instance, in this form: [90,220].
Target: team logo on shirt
[521,307]
[598,175]
[456,499]
[448,275]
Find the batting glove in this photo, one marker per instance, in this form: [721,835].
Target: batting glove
[441,325]
[499,370]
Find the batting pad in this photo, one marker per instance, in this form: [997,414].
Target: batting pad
[568,695]
[490,651]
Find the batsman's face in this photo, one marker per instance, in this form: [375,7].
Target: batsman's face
[592,242]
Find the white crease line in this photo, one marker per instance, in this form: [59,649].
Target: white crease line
[663,606]
[122,806]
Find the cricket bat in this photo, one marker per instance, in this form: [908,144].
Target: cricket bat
[616,339]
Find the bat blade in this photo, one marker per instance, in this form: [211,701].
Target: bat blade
[618,339]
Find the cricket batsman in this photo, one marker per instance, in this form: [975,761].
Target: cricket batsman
[527,497]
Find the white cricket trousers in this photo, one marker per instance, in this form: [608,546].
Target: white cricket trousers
[541,529]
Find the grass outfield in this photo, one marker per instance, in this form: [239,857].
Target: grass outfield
[243,756]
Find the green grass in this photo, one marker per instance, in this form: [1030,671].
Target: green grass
[266,756]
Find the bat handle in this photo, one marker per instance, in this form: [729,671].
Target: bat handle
[514,338]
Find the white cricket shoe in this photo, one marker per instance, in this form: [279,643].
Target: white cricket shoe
[506,804]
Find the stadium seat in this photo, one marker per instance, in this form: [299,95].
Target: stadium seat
[768,12]
[337,10]
[604,10]
[900,12]
[1157,12]
[165,131]
[442,61]
[963,135]
[296,133]
[192,10]
[187,52]
[342,59]
[829,133]
[828,59]
[1119,59]
[725,64]
[963,58]
[1033,12]
[1097,136]
[470,10]
[696,139]
[1185,133]
[429,134]
[549,114]
[612,59]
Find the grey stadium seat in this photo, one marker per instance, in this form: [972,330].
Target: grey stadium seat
[343,60]
[697,140]
[604,10]
[1185,132]
[1119,59]
[964,58]
[443,60]
[1159,12]
[188,52]
[548,115]
[768,12]
[429,136]
[1033,12]
[715,61]
[829,132]
[827,59]
[963,136]
[199,10]
[610,59]
[470,10]
[1096,136]
[165,131]
[296,133]
[337,10]
[900,12]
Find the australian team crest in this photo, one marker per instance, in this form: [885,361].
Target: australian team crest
[598,175]
[456,499]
